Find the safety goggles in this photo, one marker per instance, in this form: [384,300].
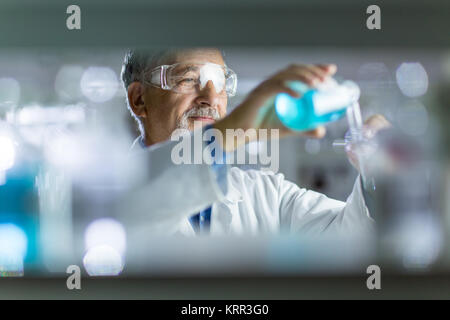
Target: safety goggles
[190,77]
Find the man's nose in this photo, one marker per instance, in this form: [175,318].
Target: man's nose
[208,95]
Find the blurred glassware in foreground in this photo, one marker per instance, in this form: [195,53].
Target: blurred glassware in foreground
[360,143]
[19,203]
[402,196]
[399,168]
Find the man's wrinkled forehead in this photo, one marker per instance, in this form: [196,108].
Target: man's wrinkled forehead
[196,56]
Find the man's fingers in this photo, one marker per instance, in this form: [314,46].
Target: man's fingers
[318,72]
[375,123]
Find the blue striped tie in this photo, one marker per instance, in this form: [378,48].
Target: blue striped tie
[201,221]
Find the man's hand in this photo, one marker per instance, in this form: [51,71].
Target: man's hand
[372,126]
[251,114]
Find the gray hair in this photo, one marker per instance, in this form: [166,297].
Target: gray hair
[136,63]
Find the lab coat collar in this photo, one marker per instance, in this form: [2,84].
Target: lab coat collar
[138,143]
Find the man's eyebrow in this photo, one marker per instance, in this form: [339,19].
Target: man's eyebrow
[186,69]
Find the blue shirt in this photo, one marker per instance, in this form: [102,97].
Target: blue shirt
[201,221]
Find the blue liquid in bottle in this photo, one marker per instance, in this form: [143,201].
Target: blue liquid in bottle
[19,204]
[316,106]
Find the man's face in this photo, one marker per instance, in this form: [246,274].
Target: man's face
[168,110]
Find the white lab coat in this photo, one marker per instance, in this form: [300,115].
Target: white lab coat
[255,202]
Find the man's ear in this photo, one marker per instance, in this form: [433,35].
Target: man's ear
[136,99]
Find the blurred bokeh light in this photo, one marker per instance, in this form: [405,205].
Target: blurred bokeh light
[106,231]
[99,84]
[13,249]
[412,79]
[103,261]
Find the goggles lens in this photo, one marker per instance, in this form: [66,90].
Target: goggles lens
[188,77]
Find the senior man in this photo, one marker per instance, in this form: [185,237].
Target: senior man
[175,88]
